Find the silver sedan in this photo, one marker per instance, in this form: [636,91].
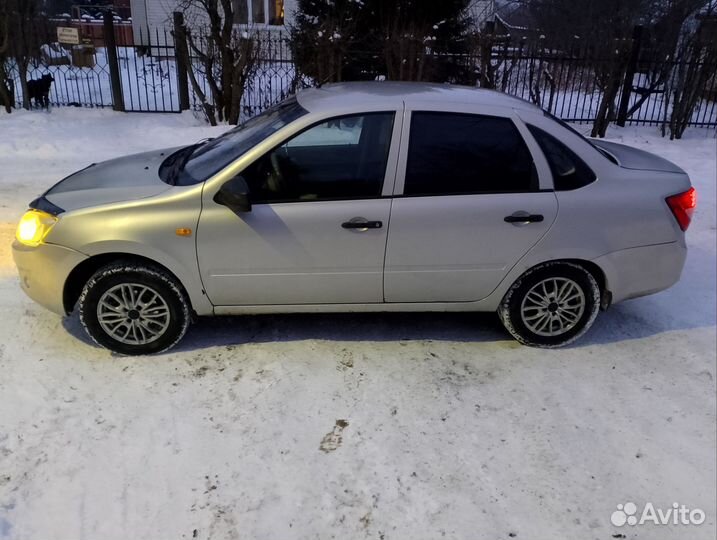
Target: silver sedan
[361,197]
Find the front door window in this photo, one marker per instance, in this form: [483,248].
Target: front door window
[338,159]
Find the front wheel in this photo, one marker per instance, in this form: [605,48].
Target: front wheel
[551,305]
[132,309]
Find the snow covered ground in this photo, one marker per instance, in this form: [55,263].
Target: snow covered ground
[349,426]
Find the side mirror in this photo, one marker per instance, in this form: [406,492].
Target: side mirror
[234,194]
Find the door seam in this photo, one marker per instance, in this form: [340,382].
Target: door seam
[390,208]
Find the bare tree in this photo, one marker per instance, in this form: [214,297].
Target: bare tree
[606,43]
[609,76]
[663,31]
[6,94]
[23,38]
[225,56]
[697,57]
[609,44]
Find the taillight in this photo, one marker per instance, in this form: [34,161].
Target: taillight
[683,206]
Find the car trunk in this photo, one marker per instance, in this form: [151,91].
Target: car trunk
[632,158]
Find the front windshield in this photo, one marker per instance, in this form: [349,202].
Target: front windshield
[201,161]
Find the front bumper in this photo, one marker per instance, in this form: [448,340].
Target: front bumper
[43,272]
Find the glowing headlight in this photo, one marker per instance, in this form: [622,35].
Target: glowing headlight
[34,226]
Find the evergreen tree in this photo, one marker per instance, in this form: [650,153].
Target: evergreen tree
[410,40]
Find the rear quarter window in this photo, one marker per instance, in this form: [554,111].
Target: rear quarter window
[569,171]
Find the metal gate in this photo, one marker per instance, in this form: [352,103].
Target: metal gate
[143,74]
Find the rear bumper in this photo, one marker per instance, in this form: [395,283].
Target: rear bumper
[43,272]
[640,271]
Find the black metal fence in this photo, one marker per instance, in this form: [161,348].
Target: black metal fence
[273,75]
[141,72]
[570,80]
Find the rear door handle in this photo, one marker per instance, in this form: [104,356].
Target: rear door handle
[362,224]
[521,218]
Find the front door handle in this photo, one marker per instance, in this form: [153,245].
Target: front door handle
[361,224]
[523,218]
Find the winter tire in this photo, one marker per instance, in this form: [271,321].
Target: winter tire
[551,305]
[133,309]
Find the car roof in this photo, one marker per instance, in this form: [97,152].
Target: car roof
[394,94]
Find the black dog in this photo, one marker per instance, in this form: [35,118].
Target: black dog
[39,90]
[7,94]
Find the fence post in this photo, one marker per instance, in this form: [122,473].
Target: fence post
[181,56]
[629,75]
[112,62]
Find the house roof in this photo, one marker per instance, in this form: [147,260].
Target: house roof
[394,94]
[516,17]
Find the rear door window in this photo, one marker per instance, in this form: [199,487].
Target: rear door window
[451,154]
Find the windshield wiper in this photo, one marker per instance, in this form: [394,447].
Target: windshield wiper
[179,160]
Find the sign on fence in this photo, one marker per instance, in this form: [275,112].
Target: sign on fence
[68,35]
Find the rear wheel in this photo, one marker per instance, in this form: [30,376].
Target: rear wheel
[134,309]
[551,305]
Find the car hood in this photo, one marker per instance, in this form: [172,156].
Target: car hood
[632,158]
[117,180]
